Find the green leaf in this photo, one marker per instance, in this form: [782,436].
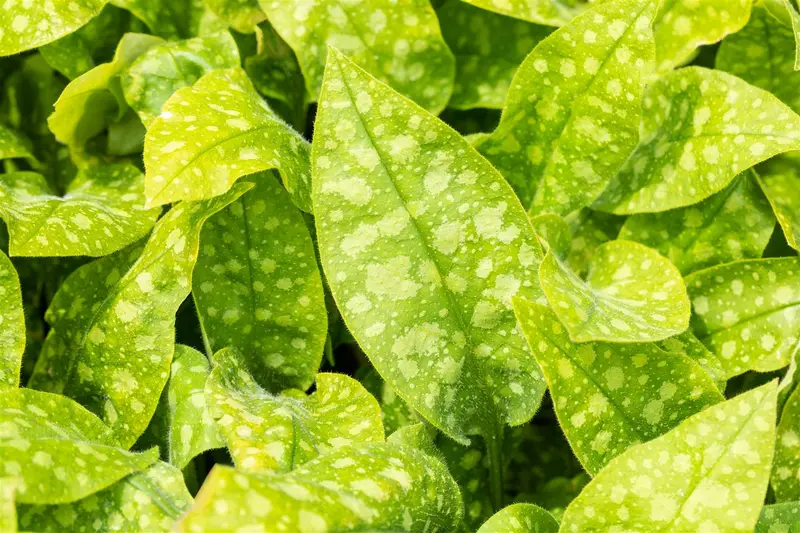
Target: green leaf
[112,322]
[786,466]
[780,180]
[172,19]
[414,225]
[701,128]
[746,312]
[8,510]
[417,436]
[12,324]
[572,114]
[488,49]
[631,294]
[399,43]
[735,223]
[548,12]
[28,25]
[101,212]
[241,15]
[395,412]
[779,518]
[191,155]
[59,450]
[691,479]
[13,145]
[521,518]
[163,69]
[589,230]
[554,232]
[376,488]
[687,344]
[610,396]
[258,288]
[267,432]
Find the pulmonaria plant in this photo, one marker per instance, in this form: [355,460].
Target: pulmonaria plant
[499,266]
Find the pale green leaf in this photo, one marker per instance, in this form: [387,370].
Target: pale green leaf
[701,128]
[549,12]
[418,437]
[12,324]
[163,69]
[258,288]
[554,232]
[573,111]
[398,42]
[267,432]
[8,510]
[779,518]
[112,322]
[395,412]
[780,180]
[375,488]
[412,223]
[60,451]
[190,155]
[786,12]
[735,223]
[13,145]
[631,294]
[747,312]
[687,344]
[610,396]
[241,15]
[171,19]
[786,466]
[520,518]
[691,479]
[590,229]
[101,212]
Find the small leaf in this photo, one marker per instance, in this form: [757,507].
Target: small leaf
[12,325]
[701,128]
[172,19]
[191,155]
[610,396]
[521,518]
[691,478]
[241,15]
[632,294]
[780,180]
[687,344]
[781,517]
[13,145]
[786,466]
[548,12]
[746,312]
[268,432]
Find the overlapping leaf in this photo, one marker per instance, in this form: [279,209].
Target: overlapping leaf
[521,518]
[12,145]
[777,518]
[786,466]
[172,19]
[548,12]
[780,180]
[241,15]
[786,12]
[554,232]
[687,344]
[395,412]
[12,324]
[589,230]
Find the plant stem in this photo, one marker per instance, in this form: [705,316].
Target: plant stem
[494,448]
[206,343]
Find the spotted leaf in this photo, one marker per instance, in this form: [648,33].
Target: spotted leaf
[13,145]
[241,15]
[589,230]
[780,517]
[412,223]
[548,12]
[8,508]
[395,412]
[689,479]
[521,518]
[786,466]
[780,180]
[689,345]
[172,19]
[554,232]
[12,324]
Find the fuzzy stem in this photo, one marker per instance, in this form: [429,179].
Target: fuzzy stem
[494,448]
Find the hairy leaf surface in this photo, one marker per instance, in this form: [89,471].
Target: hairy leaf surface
[12,324]
[780,180]
[521,518]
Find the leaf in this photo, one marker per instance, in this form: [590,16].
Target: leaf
[780,180]
[521,518]
[691,146]
[548,12]
[241,15]
[267,432]
[746,312]
[554,232]
[590,229]
[190,155]
[421,228]
[488,49]
[30,25]
[13,145]
[395,412]
[173,19]
[49,442]
[691,478]
[258,288]
[12,325]
[735,223]
[687,344]
[572,114]
[101,212]
[786,466]
[609,396]
[777,518]
[376,487]
[631,294]
[399,43]
[8,511]
[112,322]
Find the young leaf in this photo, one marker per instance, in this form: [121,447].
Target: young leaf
[242,15]
[191,155]
[258,288]
[777,518]
[13,145]
[691,478]
[59,450]
[572,114]
[780,180]
[267,432]
[746,312]
[610,396]
[631,294]
[701,128]
[521,518]
[547,12]
[12,324]
[101,212]
[786,466]
[735,223]
[112,322]
[414,225]
[399,43]
[174,19]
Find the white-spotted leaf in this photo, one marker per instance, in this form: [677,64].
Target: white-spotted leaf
[548,12]
[689,345]
[171,19]
[241,15]
[521,518]
[786,466]
[13,145]
[780,180]
[779,518]
[554,233]
[590,229]
[12,324]
[8,508]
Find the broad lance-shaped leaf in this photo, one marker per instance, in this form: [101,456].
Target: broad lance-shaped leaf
[780,180]
[60,451]
[701,128]
[150,500]
[521,518]
[374,487]
[12,145]
[573,111]
[191,155]
[101,212]
[735,223]
[112,322]
[28,25]
[747,312]
[779,518]
[398,42]
[241,15]
[610,396]
[548,12]
[12,324]
[691,479]
[631,294]
[414,225]
[267,432]
[163,69]
[258,288]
